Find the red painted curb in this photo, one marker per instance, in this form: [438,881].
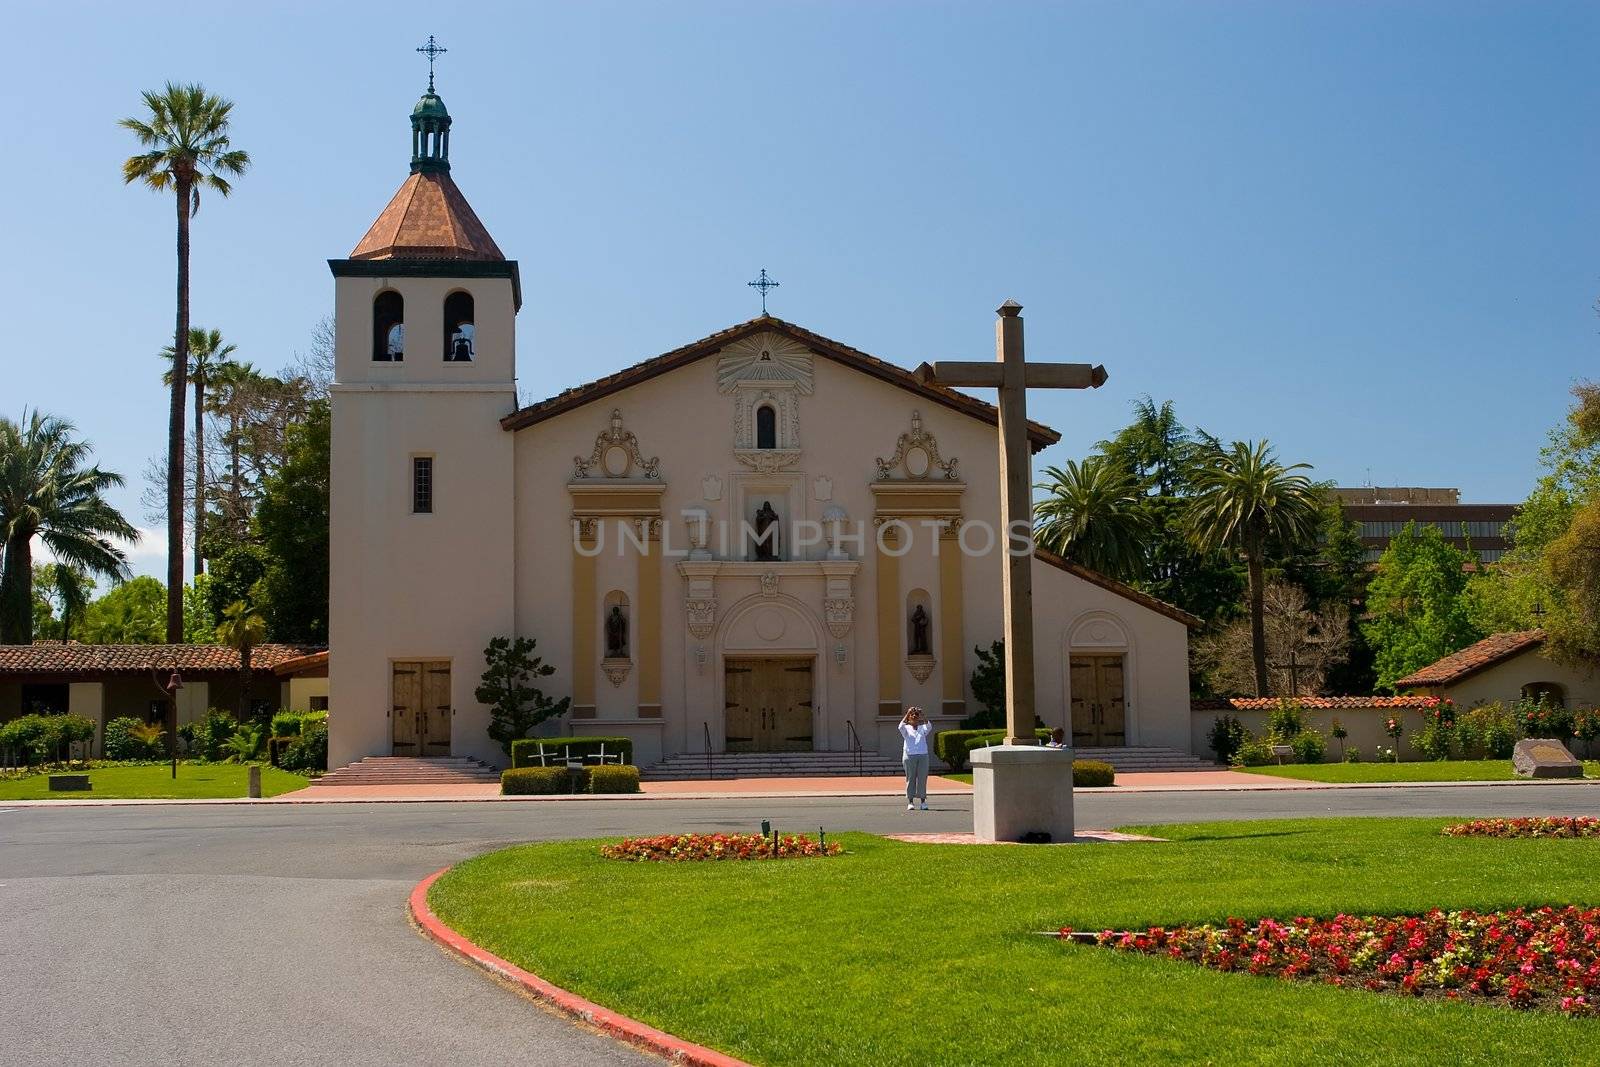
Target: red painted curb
[612,1023]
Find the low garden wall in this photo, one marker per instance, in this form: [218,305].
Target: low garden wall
[1362,717]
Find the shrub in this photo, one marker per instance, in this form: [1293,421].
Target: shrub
[286,723]
[1255,752]
[1092,773]
[1309,746]
[1352,754]
[1488,731]
[955,746]
[119,742]
[1227,734]
[74,730]
[244,745]
[1435,739]
[27,740]
[525,752]
[1541,718]
[682,848]
[613,779]
[1586,727]
[308,752]
[210,736]
[541,781]
[1286,722]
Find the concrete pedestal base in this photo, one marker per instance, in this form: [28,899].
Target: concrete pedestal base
[1019,790]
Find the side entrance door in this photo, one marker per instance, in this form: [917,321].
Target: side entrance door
[1099,710]
[767,705]
[420,712]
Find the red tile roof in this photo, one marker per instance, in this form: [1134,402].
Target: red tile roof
[88,660]
[1312,703]
[1470,660]
[316,661]
[428,219]
[1040,435]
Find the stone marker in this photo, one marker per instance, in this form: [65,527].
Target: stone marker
[255,782]
[69,783]
[1544,757]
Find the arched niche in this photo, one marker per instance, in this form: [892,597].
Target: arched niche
[388,327]
[460,333]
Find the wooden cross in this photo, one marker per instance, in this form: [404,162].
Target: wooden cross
[1013,378]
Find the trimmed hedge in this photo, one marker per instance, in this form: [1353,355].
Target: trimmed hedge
[955,746]
[613,779]
[556,781]
[1090,773]
[525,751]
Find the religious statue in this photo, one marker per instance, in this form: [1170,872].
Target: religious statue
[766,532]
[616,633]
[919,632]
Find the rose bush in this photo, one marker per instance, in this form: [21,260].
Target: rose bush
[676,848]
[1530,826]
[1541,958]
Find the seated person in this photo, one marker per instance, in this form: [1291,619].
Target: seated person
[1058,738]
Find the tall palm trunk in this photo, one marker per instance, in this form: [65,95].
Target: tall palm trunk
[244,683]
[1258,620]
[180,395]
[16,591]
[199,472]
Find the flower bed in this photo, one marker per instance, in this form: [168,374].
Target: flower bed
[680,848]
[1534,826]
[1545,958]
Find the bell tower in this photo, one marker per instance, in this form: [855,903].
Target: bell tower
[420,549]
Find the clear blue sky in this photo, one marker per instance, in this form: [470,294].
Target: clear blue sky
[1367,232]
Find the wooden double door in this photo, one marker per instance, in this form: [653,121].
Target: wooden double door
[420,716]
[1099,708]
[767,705]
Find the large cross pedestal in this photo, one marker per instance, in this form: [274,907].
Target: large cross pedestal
[1019,788]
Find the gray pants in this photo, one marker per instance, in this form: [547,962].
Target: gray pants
[916,777]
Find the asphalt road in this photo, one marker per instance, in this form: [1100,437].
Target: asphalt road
[277,934]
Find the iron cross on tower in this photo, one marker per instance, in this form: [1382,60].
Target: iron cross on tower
[433,51]
[763,284]
[1013,378]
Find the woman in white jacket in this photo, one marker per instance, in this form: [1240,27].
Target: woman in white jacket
[914,730]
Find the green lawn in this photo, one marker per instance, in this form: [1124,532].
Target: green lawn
[917,954]
[156,782]
[1484,770]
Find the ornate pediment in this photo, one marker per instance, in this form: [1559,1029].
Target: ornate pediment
[765,360]
[916,457]
[616,455]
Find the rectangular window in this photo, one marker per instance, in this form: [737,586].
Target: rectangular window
[421,485]
[318,703]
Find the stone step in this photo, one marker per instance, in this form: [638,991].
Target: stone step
[412,770]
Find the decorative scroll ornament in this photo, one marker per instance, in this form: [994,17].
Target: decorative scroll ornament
[616,670]
[616,455]
[840,612]
[916,456]
[920,667]
[769,584]
[702,613]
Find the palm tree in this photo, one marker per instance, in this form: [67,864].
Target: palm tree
[208,358]
[185,130]
[72,588]
[47,491]
[1094,515]
[242,628]
[1243,499]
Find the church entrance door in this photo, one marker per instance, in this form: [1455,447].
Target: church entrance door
[1099,710]
[767,705]
[420,713]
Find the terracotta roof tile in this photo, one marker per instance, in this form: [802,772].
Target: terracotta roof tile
[428,219]
[1040,435]
[1312,703]
[1472,659]
[302,664]
[79,659]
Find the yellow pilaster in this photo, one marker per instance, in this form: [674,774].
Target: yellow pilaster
[889,625]
[583,624]
[951,648]
[647,624]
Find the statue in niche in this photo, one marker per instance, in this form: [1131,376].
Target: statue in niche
[919,632]
[616,634]
[766,532]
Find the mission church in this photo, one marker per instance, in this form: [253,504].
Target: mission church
[762,541]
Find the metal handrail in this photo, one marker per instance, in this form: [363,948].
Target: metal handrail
[711,769]
[854,740]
